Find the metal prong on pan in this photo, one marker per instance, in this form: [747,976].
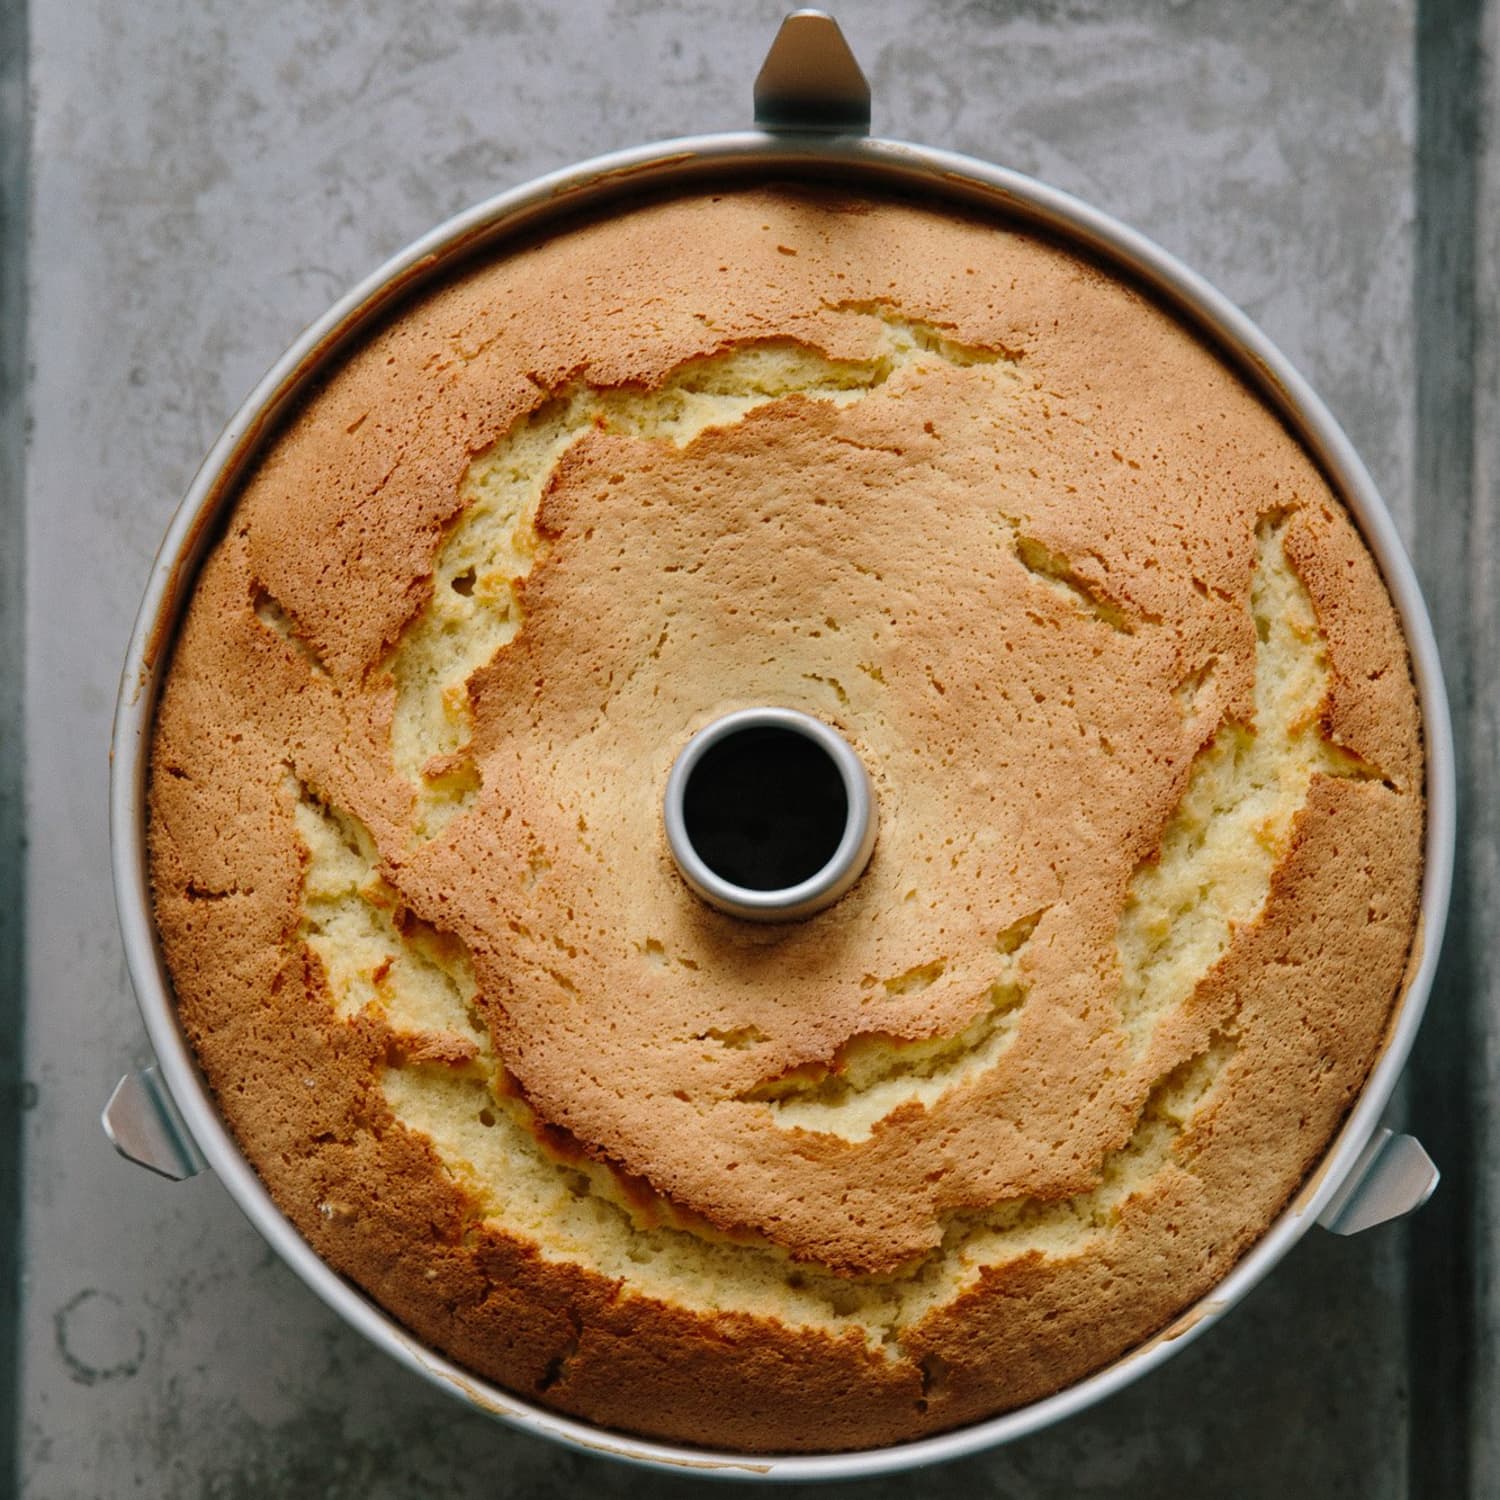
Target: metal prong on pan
[143,1125]
[1392,1177]
[810,79]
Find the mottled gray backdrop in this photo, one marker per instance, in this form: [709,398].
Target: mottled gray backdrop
[193,180]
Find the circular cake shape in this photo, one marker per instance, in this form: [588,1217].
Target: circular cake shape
[1142,733]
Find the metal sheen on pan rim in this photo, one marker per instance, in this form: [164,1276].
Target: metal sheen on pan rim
[812,115]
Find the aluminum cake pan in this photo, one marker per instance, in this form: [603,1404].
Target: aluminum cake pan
[591,188]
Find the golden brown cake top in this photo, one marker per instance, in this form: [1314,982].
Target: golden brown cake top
[1140,724]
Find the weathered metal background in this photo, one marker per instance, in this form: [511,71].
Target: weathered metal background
[203,177]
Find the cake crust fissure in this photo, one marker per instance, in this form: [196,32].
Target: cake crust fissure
[1140,722]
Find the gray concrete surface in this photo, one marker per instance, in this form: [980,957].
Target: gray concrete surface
[205,177]
[1480,650]
[13,181]
[1456,1083]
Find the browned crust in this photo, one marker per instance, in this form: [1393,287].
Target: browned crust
[1130,450]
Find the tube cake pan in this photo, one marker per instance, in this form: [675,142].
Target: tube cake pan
[811,122]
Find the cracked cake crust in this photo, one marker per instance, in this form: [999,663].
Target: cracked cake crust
[1138,714]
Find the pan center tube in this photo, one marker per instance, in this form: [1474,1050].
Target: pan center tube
[770,814]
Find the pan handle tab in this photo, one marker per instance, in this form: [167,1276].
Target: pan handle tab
[810,79]
[1392,1177]
[143,1125]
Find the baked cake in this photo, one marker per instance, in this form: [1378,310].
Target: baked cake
[1141,726]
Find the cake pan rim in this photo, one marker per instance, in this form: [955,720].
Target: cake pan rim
[852,162]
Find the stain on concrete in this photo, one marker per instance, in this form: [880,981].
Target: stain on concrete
[97,1338]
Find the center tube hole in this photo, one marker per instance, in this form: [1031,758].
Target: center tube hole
[765,808]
